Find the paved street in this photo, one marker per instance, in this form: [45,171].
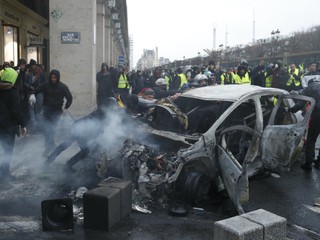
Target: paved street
[291,196]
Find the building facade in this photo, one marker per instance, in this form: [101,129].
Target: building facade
[24,33]
[76,37]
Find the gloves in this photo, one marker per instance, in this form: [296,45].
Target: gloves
[32,99]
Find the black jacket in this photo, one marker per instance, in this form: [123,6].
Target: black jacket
[105,86]
[312,90]
[10,111]
[258,77]
[54,93]
[162,93]
[138,83]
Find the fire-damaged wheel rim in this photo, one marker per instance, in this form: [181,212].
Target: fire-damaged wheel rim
[195,187]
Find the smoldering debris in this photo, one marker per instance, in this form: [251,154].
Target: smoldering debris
[147,169]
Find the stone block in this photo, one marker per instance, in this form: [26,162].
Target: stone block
[237,228]
[275,227]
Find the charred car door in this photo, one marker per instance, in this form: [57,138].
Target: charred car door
[284,136]
[237,148]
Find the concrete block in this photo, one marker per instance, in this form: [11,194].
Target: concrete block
[237,228]
[125,188]
[275,227]
[101,208]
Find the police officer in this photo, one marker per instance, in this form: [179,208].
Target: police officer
[10,120]
[312,89]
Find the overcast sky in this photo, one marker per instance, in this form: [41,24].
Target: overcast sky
[185,27]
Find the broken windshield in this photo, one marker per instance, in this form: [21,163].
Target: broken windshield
[201,114]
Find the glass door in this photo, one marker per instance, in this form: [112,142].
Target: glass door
[11,44]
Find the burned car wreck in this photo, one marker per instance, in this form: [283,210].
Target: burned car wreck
[217,137]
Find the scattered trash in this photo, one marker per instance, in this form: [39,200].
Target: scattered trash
[80,192]
[143,169]
[140,209]
[178,208]
[316,204]
[275,175]
[198,209]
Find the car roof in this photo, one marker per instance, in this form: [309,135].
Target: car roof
[230,93]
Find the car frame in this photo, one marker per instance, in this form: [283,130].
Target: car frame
[252,131]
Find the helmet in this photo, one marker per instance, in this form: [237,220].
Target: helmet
[187,68]
[244,62]
[161,81]
[278,64]
[200,77]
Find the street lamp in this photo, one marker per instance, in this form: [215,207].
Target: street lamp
[111,3]
[117,25]
[115,16]
[275,33]
[275,37]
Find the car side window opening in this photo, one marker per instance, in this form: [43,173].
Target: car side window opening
[237,141]
[282,116]
[204,115]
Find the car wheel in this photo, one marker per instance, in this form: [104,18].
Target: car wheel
[195,187]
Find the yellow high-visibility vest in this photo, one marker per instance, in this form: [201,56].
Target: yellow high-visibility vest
[291,79]
[183,79]
[242,80]
[123,82]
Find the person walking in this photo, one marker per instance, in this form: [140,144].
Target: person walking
[11,120]
[54,94]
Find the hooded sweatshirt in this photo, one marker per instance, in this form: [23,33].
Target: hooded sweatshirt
[54,93]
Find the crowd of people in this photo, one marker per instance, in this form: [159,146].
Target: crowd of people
[148,87]
[29,99]
[34,100]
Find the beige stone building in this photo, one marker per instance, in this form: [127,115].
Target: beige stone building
[73,36]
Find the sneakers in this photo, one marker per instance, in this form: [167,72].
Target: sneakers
[306,166]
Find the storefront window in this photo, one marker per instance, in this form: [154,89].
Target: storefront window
[11,44]
[32,52]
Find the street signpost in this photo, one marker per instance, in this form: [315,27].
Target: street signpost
[121,59]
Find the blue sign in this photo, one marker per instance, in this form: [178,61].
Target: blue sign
[121,59]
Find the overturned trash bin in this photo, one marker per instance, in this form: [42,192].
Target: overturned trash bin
[57,214]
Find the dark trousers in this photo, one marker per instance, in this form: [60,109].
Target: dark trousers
[7,137]
[313,132]
[49,124]
[63,146]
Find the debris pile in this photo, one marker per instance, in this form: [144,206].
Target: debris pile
[148,170]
